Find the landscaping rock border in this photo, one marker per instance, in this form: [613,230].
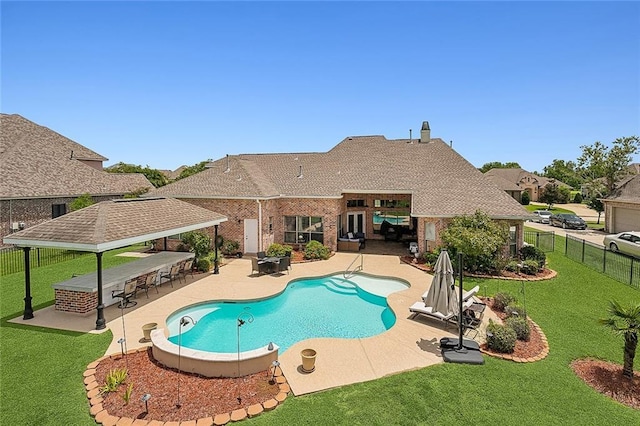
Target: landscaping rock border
[542,355]
[102,417]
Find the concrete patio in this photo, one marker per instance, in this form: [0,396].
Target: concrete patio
[409,344]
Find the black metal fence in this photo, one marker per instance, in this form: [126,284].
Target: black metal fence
[12,258]
[618,266]
[545,241]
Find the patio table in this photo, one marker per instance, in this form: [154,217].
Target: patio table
[271,262]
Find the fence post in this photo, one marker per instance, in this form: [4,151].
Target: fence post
[583,241]
[604,260]
[537,239]
[38,255]
[631,274]
[566,244]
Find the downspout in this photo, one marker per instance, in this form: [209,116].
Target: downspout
[259,225]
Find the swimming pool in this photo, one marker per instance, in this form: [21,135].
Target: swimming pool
[329,306]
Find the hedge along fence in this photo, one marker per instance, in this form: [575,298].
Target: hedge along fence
[618,266]
[12,258]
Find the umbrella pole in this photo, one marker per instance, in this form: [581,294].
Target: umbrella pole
[461,329]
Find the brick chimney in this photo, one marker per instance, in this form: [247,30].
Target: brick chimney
[425,133]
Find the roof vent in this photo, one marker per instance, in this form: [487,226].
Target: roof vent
[410,136]
[228,169]
[300,172]
[425,133]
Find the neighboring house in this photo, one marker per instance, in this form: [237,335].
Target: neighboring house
[509,187]
[525,180]
[622,207]
[418,185]
[43,171]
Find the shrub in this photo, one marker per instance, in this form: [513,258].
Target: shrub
[230,247]
[533,253]
[114,379]
[514,309]
[513,266]
[198,242]
[430,257]
[521,326]
[500,338]
[204,264]
[315,250]
[577,198]
[279,250]
[502,300]
[126,396]
[530,267]
[81,202]
[525,199]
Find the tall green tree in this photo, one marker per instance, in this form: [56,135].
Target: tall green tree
[481,239]
[564,171]
[192,170]
[552,194]
[155,176]
[498,165]
[598,162]
[625,321]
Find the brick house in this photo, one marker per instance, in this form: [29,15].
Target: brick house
[43,171]
[418,185]
[526,181]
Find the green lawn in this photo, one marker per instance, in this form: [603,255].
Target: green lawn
[500,392]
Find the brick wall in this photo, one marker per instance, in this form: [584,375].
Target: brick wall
[75,301]
[32,211]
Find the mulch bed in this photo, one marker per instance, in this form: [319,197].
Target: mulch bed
[200,396]
[606,378]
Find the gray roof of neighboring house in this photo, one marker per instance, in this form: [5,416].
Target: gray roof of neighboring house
[627,190]
[515,175]
[117,223]
[441,181]
[37,163]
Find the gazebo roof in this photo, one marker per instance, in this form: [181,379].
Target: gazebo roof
[117,223]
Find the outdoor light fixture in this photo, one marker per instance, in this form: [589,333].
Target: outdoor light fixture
[275,365]
[244,318]
[145,398]
[185,320]
[270,347]
[121,341]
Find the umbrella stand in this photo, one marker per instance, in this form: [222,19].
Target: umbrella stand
[460,319]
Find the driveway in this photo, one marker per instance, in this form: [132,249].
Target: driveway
[592,236]
[581,210]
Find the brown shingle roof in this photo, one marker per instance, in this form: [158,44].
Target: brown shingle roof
[442,182]
[628,189]
[117,223]
[37,163]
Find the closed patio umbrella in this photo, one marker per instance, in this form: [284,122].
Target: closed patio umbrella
[441,296]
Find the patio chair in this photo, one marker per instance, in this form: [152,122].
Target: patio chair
[261,268]
[173,273]
[126,294]
[285,264]
[465,296]
[187,269]
[150,280]
[261,255]
[419,308]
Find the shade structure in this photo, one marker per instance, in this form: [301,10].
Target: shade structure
[441,296]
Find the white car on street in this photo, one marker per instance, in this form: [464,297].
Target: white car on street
[624,242]
[541,216]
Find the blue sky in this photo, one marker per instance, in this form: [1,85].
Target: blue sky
[171,83]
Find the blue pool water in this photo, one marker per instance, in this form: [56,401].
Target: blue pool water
[316,307]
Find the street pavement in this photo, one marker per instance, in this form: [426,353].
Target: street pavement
[584,212]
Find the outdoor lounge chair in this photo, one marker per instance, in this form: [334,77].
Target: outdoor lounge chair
[126,294]
[419,308]
[465,296]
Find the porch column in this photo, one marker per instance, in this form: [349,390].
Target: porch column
[28,309]
[216,270]
[100,322]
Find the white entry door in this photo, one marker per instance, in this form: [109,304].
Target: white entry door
[251,235]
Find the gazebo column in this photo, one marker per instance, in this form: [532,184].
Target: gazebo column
[216,270]
[100,322]
[28,309]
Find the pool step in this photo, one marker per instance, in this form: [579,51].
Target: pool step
[340,286]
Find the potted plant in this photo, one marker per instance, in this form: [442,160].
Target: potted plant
[231,248]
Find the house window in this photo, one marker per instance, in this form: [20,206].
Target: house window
[58,210]
[340,226]
[355,203]
[270,224]
[302,229]
[391,204]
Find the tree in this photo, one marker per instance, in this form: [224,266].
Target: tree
[625,321]
[481,239]
[597,205]
[192,170]
[609,164]
[81,202]
[155,176]
[198,242]
[499,165]
[566,172]
[552,194]
[525,199]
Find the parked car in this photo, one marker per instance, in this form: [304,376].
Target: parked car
[541,216]
[624,242]
[567,220]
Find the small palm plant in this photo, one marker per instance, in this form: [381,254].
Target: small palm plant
[625,321]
